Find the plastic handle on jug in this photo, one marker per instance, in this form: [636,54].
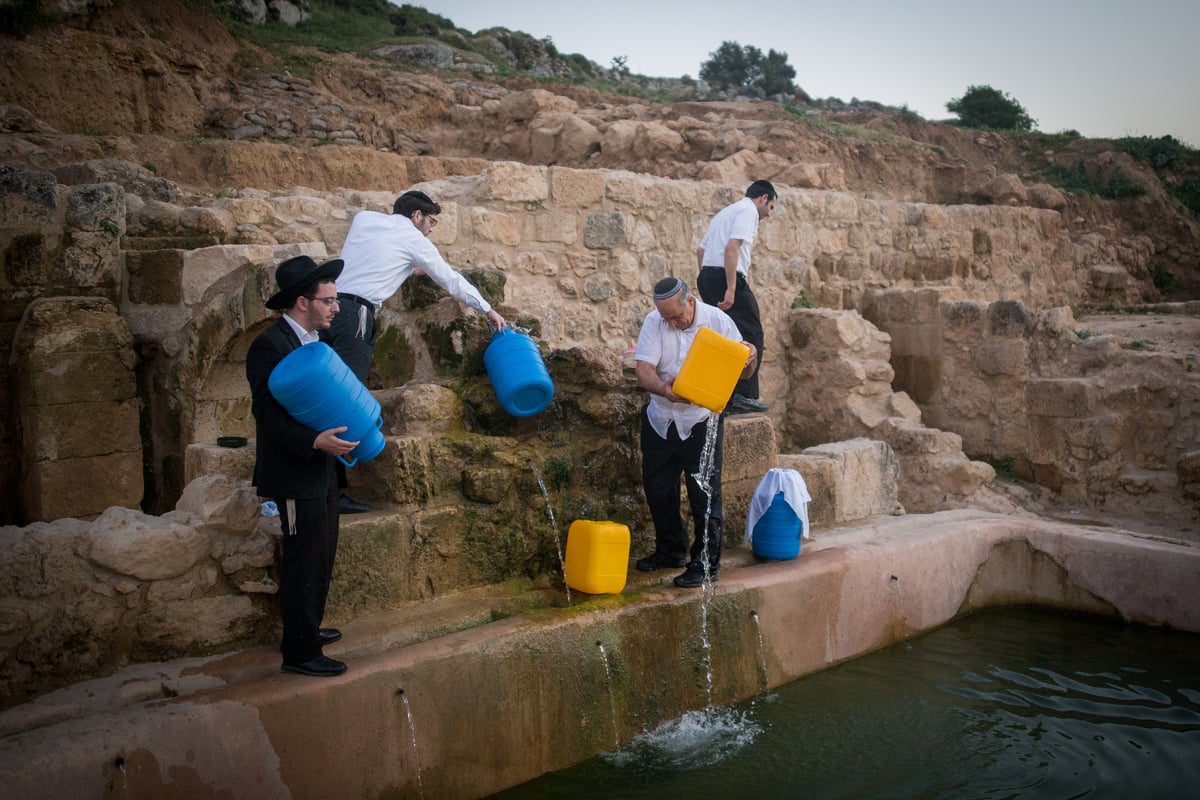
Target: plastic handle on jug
[349,463]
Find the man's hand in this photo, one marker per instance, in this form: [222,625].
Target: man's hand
[328,441]
[727,301]
[496,321]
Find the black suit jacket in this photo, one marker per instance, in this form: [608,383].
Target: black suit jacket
[286,464]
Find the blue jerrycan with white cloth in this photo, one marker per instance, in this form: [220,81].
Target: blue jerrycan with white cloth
[318,389]
[778,515]
[517,373]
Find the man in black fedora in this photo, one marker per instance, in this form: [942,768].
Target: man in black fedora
[294,465]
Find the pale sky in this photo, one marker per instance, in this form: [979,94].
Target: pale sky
[1105,68]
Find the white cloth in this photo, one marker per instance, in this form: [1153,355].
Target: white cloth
[795,492]
[666,347]
[381,251]
[736,221]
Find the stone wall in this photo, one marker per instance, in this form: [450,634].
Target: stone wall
[573,254]
[1100,425]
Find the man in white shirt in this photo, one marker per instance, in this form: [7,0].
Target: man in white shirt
[673,435]
[724,261]
[381,252]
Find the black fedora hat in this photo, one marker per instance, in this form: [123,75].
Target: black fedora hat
[297,274]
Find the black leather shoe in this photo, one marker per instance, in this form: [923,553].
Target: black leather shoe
[319,667]
[656,561]
[693,577]
[328,636]
[740,404]
[348,506]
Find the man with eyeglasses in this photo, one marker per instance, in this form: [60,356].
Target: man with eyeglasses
[293,465]
[381,252]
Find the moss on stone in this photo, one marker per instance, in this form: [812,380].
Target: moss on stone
[395,359]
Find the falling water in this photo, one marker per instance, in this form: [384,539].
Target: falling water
[412,731]
[612,698]
[703,478]
[553,527]
[123,788]
[762,652]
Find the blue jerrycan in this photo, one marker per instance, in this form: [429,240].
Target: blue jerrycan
[777,532]
[517,373]
[317,388]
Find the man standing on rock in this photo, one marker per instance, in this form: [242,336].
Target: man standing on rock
[673,435]
[724,261]
[293,465]
[381,251]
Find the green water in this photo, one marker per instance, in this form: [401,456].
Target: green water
[1013,703]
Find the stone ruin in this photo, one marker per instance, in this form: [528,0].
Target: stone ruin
[942,342]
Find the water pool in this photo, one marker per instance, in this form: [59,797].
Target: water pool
[1009,703]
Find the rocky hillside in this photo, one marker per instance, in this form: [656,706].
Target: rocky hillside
[164,84]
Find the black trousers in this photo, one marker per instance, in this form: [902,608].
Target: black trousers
[711,285]
[352,336]
[305,571]
[663,462]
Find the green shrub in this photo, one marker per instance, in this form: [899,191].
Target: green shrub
[803,301]
[1077,179]
[985,107]
[1164,280]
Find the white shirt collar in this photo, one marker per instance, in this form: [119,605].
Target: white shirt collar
[306,337]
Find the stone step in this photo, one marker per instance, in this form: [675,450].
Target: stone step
[145,243]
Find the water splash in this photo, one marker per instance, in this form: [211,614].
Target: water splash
[697,739]
[762,652]
[703,478]
[612,698]
[412,731]
[537,473]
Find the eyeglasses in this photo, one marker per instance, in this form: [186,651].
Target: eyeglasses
[329,301]
[432,220]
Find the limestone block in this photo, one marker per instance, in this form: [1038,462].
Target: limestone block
[206,266]
[221,501]
[604,231]
[616,140]
[208,221]
[750,447]
[1002,190]
[201,625]
[575,188]
[131,543]
[850,480]
[1061,397]
[576,141]
[1043,195]
[1109,277]
[517,183]
[69,430]
[1002,357]
[421,409]
[494,226]
[373,569]
[155,276]
[516,107]
[404,472]
[211,459]
[193,583]
[552,226]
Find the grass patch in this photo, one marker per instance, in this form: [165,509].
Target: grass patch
[1077,180]
[1137,344]
[803,301]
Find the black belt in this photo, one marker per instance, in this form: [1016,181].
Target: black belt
[720,268]
[356,299]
